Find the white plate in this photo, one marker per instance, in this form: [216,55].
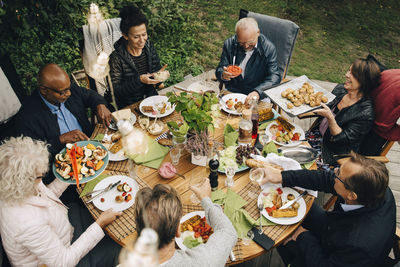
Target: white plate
[275,95]
[151,101]
[109,197]
[297,129]
[284,221]
[239,97]
[179,240]
[203,86]
[119,156]
[114,127]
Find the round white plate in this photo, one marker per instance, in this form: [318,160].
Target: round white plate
[114,127]
[119,156]
[201,87]
[297,129]
[284,221]
[179,240]
[151,101]
[239,97]
[109,197]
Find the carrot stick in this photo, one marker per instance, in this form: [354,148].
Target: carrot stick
[74,165]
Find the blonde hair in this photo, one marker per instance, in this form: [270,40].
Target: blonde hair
[247,24]
[22,160]
[159,209]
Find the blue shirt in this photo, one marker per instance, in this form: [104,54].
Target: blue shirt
[66,120]
[348,207]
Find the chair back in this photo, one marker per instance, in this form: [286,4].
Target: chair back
[281,32]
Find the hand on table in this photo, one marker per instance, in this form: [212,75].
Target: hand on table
[250,97]
[107,217]
[227,76]
[271,175]
[203,190]
[73,136]
[103,115]
[294,236]
[146,79]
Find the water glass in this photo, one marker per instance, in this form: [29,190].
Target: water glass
[195,180]
[175,154]
[230,173]
[264,139]
[256,177]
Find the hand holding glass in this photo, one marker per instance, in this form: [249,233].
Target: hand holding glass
[195,180]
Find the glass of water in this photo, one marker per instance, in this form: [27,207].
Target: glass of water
[230,173]
[256,176]
[175,154]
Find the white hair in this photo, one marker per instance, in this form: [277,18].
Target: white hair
[22,160]
[247,24]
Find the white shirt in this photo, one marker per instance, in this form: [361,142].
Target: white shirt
[348,207]
[245,60]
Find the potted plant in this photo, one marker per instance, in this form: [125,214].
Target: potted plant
[196,110]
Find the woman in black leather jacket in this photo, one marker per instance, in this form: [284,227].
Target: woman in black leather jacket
[349,117]
[134,60]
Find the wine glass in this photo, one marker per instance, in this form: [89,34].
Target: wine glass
[195,180]
[230,173]
[256,176]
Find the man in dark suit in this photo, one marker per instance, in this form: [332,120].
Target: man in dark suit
[359,231]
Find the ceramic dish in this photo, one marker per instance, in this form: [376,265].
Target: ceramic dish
[153,101]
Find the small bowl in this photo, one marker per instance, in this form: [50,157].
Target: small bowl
[159,127]
[161,75]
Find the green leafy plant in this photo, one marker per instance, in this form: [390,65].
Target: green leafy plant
[178,130]
[195,109]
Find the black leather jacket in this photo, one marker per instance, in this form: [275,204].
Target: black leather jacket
[356,121]
[261,70]
[128,88]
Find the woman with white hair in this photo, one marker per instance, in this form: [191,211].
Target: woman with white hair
[34,224]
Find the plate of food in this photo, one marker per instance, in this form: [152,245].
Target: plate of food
[156,106]
[284,133]
[91,158]
[120,197]
[194,230]
[299,96]
[233,103]
[113,142]
[236,156]
[123,114]
[203,87]
[275,196]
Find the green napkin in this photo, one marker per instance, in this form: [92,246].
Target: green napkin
[154,156]
[99,137]
[307,165]
[218,197]
[270,148]
[265,125]
[91,184]
[230,136]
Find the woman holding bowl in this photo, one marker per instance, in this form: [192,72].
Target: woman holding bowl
[349,117]
[134,61]
[35,226]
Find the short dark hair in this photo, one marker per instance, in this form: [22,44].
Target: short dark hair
[367,73]
[160,209]
[131,17]
[371,182]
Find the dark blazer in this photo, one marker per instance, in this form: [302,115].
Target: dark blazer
[362,237]
[35,119]
[125,78]
[261,70]
[356,121]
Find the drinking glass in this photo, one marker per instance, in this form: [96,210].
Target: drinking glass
[175,154]
[195,180]
[230,173]
[132,169]
[256,177]
[264,139]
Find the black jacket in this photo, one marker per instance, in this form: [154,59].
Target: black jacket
[35,119]
[128,88]
[261,70]
[356,121]
[362,237]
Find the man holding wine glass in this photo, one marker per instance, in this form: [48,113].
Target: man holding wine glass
[359,231]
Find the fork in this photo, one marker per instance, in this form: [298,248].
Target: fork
[260,208]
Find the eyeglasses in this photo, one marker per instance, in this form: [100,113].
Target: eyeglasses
[62,93]
[336,171]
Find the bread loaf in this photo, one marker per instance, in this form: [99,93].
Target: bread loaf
[253,163]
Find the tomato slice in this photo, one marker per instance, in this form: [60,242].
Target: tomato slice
[279,190]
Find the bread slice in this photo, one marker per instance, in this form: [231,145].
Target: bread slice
[254,163]
[123,114]
[165,142]
[284,213]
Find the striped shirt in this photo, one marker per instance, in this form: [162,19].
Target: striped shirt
[141,63]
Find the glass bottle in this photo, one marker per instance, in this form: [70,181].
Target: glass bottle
[245,127]
[254,117]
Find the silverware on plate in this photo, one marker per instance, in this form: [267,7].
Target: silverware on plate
[101,191]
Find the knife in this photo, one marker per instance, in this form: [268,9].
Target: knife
[293,201]
[108,188]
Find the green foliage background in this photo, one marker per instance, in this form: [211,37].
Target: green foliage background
[189,34]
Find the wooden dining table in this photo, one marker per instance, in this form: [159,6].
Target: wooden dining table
[123,229]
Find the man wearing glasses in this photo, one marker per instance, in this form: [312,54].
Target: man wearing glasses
[255,55]
[57,111]
[360,229]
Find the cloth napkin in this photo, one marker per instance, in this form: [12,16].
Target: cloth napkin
[154,156]
[99,137]
[230,136]
[89,186]
[233,209]
[270,148]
